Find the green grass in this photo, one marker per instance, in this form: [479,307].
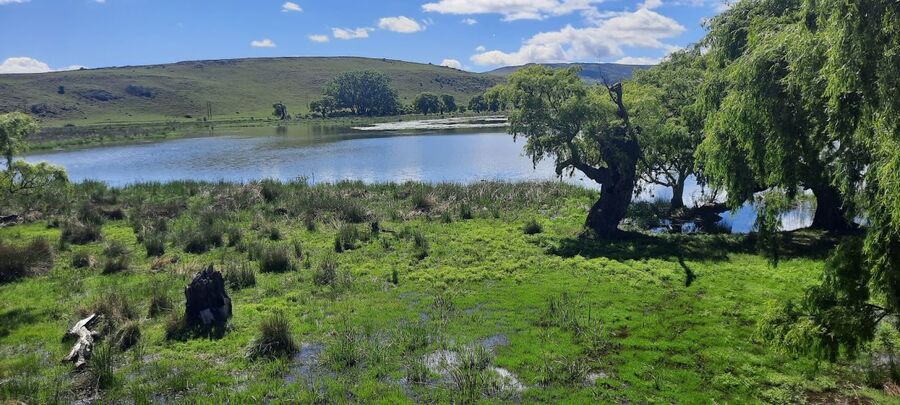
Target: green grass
[575,321]
[238,89]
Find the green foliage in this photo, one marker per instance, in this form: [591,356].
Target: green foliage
[41,186]
[324,106]
[532,227]
[101,366]
[155,244]
[363,93]
[117,257]
[344,352]
[79,233]
[427,103]
[240,275]
[448,103]
[15,127]
[160,301]
[275,258]
[274,339]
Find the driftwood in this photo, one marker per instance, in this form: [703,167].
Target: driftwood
[81,351]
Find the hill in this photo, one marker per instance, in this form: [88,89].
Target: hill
[234,89]
[591,72]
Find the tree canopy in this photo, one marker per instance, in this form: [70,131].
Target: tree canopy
[15,127]
[363,93]
[427,103]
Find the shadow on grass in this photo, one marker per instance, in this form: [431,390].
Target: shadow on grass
[12,319]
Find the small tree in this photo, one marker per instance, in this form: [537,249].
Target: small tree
[280,111]
[426,103]
[477,104]
[14,129]
[580,128]
[448,103]
[324,106]
[363,93]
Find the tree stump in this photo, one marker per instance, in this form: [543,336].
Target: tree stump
[208,303]
[81,351]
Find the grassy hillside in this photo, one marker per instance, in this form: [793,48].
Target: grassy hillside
[237,88]
[450,272]
[591,72]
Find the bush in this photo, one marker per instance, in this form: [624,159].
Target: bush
[240,276]
[117,257]
[533,227]
[274,339]
[423,202]
[83,259]
[346,238]
[270,190]
[17,262]
[275,259]
[80,233]
[465,211]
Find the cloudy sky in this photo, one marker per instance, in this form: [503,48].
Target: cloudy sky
[476,35]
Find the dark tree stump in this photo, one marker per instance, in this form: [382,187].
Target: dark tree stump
[208,303]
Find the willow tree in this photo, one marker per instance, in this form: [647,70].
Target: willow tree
[15,127]
[669,91]
[843,57]
[767,126]
[580,128]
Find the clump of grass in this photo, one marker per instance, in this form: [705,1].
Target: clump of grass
[155,244]
[533,227]
[240,276]
[117,257]
[79,233]
[465,211]
[176,326]
[83,259]
[471,376]
[561,311]
[298,248]
[235,236]
[203,234]
[274,339]
[416,370]
[309,221]
[270,190]
[271,232]
[327,274]
[160,301]
[127,335]
[101,366]
[347,237]
[421,244]
[423,202]
[413,336]
[562,370]
[275,259]
[115,308]
[344,352]
[21,261]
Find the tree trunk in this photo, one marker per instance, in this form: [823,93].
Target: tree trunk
[677,202]
[830,214]
[615,193]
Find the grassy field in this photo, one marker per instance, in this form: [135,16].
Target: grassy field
[236,89]
[376,284]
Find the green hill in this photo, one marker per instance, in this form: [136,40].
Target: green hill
[234,89]
[591,72]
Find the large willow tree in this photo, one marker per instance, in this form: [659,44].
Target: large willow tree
[580,128]
[810,92]
[768,122]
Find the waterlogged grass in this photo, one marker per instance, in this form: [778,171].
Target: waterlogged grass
[513,316]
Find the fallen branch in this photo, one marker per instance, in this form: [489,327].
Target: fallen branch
[81,351]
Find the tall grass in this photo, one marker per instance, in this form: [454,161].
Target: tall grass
[117,257]
[21,261]
[275,258]
[274,339]
[239,275]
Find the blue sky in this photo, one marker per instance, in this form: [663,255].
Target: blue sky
[476,35]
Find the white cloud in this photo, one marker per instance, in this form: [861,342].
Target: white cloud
[651,4]
[25,64]
[263,43]
[511,10]
[641,29]
[469,21]
[400,24]
[290,7]
[638,60]
[480,48]
[100,1]
[318,38]
[2,2]
[451,63]
[347,33]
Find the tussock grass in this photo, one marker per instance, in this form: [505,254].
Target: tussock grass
[239,275]
[275,258]
[79,233]
[274,338]
[533,227]
[116,257]
[20,261]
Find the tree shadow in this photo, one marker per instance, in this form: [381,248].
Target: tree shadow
[14,318]
[636,246]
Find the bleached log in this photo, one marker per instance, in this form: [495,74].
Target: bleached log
[81,351]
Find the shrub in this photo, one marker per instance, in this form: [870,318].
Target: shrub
[533,227]
[275,259]
[80,233]
[346,238]
[274,338]
[155,244]
[17,262]
[117,257]
[240,276]
[270,190]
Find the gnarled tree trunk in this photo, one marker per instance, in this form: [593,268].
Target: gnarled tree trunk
[831,214]
[616,192]
[677,202]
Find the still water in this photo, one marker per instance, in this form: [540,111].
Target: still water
[329,154]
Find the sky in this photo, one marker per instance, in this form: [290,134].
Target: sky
[474,35]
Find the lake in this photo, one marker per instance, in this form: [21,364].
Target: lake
[327,153]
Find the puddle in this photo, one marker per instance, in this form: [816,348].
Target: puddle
[305,365]
[493,342]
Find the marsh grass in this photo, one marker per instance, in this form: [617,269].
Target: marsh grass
[275,258]
[155,244]
[274,339]
[101,367]
[471,377]
[79,233]
[239,275]
[329,274]
[348,238]
[344,352]
[83,259]
[160,301]
[117,257]
[21,261]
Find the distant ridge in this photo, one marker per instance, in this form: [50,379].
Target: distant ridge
[591,72]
